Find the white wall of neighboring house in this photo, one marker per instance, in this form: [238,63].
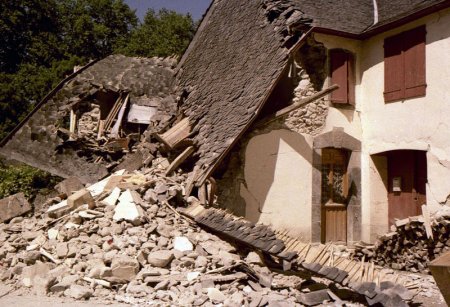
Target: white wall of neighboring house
[418,123]
[278,165]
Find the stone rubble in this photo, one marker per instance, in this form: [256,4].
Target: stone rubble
[120,240]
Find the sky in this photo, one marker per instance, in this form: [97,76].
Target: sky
[195,7]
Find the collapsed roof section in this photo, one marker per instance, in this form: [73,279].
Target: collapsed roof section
[241,49]
[84,126]
[228,72]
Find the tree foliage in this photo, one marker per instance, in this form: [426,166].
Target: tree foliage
[163,34]
[41,41]
[24,179]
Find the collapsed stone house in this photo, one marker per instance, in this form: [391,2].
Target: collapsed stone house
[92,118]
[344,163]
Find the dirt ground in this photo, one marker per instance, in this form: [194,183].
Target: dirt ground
[431,297]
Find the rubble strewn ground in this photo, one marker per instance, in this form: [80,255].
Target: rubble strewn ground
[145,253]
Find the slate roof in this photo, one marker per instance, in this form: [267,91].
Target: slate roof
[35,139]
[357,16]
[229,71]
[239,51]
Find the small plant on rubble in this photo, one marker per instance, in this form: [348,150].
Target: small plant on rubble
[24,178]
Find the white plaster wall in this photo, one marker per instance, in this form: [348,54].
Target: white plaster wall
[420,123]
[347,118]
[278,179]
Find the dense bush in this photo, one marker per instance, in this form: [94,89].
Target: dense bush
[26,179]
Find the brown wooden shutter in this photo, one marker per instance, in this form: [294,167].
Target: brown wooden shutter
[414,52]
[339,73]
[351,78]
[394,68]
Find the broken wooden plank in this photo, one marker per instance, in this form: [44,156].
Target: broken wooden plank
[296,105]
[427,224]
[176,134]
[180,159]
[116,127]
[73,124]
[101,128]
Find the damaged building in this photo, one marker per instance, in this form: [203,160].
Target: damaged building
[92,119]
[344,165]
[324,119]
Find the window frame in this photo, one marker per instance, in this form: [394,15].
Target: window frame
[405,65]
[342,72]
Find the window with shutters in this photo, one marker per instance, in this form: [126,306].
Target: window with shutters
[404,65]
[343,74]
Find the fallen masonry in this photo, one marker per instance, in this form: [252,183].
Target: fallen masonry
[123,240]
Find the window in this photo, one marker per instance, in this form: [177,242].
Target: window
[334,176]
[404,65]
[343,74]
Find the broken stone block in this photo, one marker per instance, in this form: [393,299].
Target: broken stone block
[215,295]
[64,284]
[78,292]
[253,258]
[80,198]
[112,198]
[62,249]
[313,298]
[29,273]
[12,206]
[53,234]
[182,244]
[42,284]
[127,210]
[160,258]
[124,268]
[69,186]
[192,275]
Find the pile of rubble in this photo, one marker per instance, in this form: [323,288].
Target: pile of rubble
[122,240]
[414,242]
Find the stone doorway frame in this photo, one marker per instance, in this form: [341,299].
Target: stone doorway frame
[337,138]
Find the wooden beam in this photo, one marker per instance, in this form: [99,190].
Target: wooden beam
[180,159]
[73,124]
[176,134]
[427,224]
[296,105]
[116,127]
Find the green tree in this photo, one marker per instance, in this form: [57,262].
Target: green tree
[165,33]
[41,41]
[91,28]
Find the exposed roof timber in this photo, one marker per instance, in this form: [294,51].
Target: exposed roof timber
[206,174]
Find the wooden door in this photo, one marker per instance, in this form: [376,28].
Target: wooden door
[407,177]
[334,195]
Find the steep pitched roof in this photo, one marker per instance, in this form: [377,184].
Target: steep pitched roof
[241,49]
[229,70]
[357,17]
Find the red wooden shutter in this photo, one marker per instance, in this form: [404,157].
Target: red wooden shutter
[339,73]
[414,52]
[394,68]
